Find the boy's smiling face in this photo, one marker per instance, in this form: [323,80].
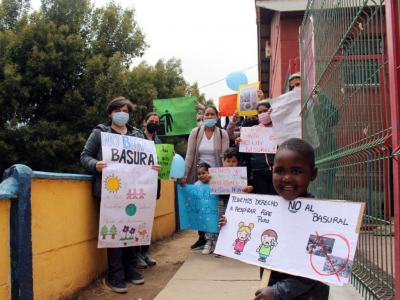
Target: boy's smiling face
[292,174]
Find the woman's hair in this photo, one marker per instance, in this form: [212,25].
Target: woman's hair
[213,107]
[231,152]
[203,166]
[118,103]
[246,228]
[151,114]
[265,103]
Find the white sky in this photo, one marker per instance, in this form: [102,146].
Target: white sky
[211,37]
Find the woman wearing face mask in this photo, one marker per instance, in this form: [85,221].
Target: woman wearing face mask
[261,164]
[206,144]
[151,124]
[119,259]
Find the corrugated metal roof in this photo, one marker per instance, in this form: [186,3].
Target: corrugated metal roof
[283,5]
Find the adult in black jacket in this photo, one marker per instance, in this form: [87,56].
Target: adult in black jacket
[91,158]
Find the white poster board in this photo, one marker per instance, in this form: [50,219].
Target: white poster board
[128,191]
[258,139]
[286,115]
[304,237]
[226,181]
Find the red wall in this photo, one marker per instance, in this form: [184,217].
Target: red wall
[284,46]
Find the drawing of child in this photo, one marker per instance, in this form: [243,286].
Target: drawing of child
[243,234]
[268,242]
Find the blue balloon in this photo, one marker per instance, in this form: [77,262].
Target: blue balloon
[236,79]
[177,167]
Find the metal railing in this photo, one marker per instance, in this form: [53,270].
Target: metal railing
[347,120]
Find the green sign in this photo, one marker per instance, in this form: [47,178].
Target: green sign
[179,114]
[164,156]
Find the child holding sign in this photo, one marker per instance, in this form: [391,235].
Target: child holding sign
[293,171]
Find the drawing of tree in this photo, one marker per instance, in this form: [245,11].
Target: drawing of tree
[104,231]
[113,231]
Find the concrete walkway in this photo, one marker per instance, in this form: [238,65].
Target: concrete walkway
[207,277]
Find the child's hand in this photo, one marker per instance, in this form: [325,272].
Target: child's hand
[269,110]
[222,222]
[248,189]
[156,168]
[265,294]
[238,141]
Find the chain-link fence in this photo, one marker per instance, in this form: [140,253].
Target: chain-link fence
[346,118]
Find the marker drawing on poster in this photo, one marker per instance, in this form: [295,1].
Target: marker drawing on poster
[304,237]
[128,191]
[258,139]
[226,181]
[198,209]
[165,155]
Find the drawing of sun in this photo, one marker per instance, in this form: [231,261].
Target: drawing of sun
[112,183]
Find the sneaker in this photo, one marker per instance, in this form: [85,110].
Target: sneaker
[148,259]
[140,263]
[208,248]
[117,285]
[135,278]
[218,256]
[199,244]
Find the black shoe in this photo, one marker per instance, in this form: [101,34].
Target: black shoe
[135,278]
[199,244]
[117,285]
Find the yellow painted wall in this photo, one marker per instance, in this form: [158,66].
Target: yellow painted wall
[4,249]
[65,226]
[164,217]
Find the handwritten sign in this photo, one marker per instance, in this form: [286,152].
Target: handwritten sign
[198,209]
[165,156]
[247,99]
[258,139]
[179,114]
[128,191]
[304,237]
[228,180]
[227,105]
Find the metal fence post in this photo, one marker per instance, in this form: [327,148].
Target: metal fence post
[393,33]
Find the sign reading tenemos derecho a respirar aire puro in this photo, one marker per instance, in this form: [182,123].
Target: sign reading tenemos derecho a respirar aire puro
[128,191]
[311,238]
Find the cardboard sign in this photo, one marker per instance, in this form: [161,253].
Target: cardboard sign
[228,180]
[128,191]
[164,156]
[179,114]
[198,209]
[304,237]
[258,139]
[247,99]
[227,105]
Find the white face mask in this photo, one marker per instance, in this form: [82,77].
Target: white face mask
[199,124]
[120,118]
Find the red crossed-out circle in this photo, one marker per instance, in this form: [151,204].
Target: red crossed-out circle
[333,267]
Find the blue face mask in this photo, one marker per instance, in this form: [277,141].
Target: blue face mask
[120,118]
[210,122]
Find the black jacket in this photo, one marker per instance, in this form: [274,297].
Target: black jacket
[91,154]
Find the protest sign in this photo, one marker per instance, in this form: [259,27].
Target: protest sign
[286,113]
[258,139]
[304,237]
[227,105]
[179,114]
[227,180]
[128,191]
[198,209]
[247,99]
[165,155]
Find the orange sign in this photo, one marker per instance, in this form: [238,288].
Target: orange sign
[227,105]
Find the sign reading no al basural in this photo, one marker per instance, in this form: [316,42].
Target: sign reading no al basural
[304,237]
[128,191]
